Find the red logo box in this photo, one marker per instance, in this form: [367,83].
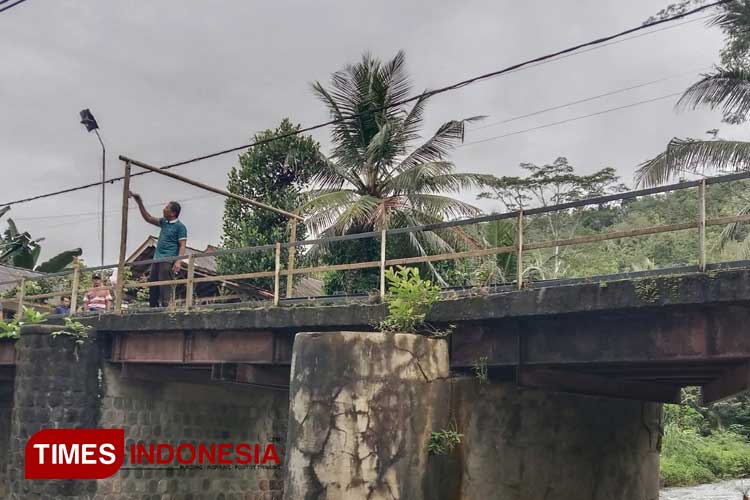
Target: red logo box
[74,453]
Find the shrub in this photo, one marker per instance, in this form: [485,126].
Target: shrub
[409,299]
[689,458]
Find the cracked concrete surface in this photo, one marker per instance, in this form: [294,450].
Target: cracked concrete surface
[362,409]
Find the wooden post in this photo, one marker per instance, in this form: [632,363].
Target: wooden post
[123,240]
[702,225]
[276,275]
[292,251]
[382,263]
[74,287]
[190,282]
[21,292]
[519,249]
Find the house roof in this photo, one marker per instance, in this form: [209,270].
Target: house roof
[207,264]
[9,273]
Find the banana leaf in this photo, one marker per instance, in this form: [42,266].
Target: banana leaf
[59,261]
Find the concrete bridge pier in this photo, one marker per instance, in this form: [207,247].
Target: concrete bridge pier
[363,407]
[533,445]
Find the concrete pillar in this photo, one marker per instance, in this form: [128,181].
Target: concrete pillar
[533,445]
[362,407]
[56,386]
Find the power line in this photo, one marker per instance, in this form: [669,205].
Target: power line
[422,96]
[11,5]
[132,208]
[609,44]
[576,118]
[587,99]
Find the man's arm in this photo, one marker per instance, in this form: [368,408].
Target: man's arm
[144,213]
[181,251]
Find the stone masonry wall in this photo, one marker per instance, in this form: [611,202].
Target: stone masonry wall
[59,385]
[6,406]
[56,386]
[178,413]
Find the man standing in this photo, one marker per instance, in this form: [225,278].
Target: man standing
[172,242]
[99,298]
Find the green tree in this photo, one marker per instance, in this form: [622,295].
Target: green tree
[374,179]
[274,173]
[553,184]
[20,249]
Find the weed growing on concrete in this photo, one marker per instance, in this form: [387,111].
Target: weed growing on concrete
[480,370]
[443,441]
[409,299]
[75,329]
[647,291]
[12,329]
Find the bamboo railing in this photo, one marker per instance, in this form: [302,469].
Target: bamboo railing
[520,245]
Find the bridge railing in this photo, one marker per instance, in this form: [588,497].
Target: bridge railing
[70,282]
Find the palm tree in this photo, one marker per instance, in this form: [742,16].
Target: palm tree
[726,89]
[374,180]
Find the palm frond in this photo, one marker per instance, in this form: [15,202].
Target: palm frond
[333,176]
[349,147]
[412,179]
[458,182]
[725,89]
[439,145]
[693,156]
[441,207]
[730,231]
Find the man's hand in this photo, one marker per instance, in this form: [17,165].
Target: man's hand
[135,196]
[176,267]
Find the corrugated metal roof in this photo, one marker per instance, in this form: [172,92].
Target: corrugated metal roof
[8,273]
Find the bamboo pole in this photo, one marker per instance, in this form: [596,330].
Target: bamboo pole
[702,225]
[382,263]
[277,275]
[21,292]
[123,240]
[210,188]
[290,266]
[519,250]
[190,282]
[74,286]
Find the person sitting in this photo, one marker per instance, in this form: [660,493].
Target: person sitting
[99,298]
[63,307]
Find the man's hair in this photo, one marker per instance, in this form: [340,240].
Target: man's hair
[175,208]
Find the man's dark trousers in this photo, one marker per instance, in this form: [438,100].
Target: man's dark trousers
[160,295]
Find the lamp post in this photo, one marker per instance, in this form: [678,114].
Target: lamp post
[88,121]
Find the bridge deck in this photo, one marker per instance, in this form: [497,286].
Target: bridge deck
[643,338]
[635,338]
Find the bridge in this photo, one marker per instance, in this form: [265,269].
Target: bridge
[534,376]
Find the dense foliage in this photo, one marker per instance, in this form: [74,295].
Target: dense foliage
[274,173]
[704,444]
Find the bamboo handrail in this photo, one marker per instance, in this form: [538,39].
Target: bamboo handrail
[519,246]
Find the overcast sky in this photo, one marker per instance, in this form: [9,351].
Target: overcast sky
[170,80]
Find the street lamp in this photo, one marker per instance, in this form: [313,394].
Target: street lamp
[88,121]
